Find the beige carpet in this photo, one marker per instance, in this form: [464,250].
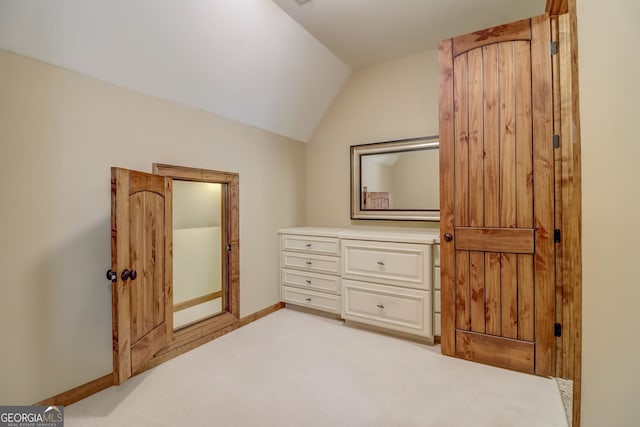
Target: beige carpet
[297,369]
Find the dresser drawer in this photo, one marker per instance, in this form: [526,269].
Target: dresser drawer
[403,310]
[311,299]
[436,301]
[311,262]
[314,281]
[311,244]
[400,264]
[436,324]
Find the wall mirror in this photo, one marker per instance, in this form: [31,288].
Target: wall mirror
[396,180]
[199,254]
[205,288]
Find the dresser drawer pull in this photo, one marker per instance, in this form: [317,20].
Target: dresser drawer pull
[308,245]
[308,262]
[380,263]
[308,299]
[380,306]
[308,281]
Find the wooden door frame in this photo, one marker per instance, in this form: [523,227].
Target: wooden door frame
[564,30]
[199,333]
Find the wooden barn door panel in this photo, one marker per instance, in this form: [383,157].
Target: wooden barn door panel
[140,211]
[497,196]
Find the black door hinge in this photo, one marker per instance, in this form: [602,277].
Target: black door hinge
[556,236]
[556,141]
[228,247]
[557,330]
[554,48]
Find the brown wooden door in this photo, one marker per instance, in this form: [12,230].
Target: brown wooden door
[497,195]
[140,243]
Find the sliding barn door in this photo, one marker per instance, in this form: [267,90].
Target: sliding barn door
[496,188]
[140,251]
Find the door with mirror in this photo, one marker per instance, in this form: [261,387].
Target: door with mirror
[175,262]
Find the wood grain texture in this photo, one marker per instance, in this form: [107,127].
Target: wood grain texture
[168,257]
[491,137]
[463,291]
[509,296]
[446,159]
[543,195]
[501,104]
[146,347]
[120,300]
[512,240]
[503,352]
[569,181]
[492,286]
[461,126]
[524,136]
[139,330]
[560,362]
[476,269]
[525,298]
[556,7]
[476,138]
[519,30]
[507,134]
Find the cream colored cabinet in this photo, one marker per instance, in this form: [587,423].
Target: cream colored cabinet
[310,270]
[388,285]
[379,277]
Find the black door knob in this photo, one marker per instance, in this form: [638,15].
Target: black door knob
[112,275]
[448,237]
[133,274]
[125,274]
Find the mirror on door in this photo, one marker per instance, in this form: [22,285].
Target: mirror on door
[199,255]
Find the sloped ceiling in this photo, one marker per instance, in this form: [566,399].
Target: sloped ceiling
[362,32]
[245,60]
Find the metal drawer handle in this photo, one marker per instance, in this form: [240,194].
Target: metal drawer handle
[380,306]
[308,281]
[308,299]
[308,262]
[308,245]
[380,263]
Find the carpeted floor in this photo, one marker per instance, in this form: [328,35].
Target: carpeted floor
[293,368]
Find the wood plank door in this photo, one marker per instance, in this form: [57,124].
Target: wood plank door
[497,196]
[140,255]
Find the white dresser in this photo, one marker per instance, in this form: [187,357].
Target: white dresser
[376,276]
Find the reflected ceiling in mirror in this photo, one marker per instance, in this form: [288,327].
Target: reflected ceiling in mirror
[396,180]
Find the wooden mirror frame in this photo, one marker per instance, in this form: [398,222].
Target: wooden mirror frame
[192,336]
[396,146]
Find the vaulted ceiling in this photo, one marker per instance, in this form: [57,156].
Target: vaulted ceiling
[275,65]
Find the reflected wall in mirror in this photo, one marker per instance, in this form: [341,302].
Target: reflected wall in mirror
[396,180]
[198,255]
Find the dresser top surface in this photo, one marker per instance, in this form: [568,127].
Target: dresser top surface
[410,235]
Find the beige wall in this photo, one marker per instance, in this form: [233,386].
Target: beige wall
[609,91]
[60,132]
[392,100]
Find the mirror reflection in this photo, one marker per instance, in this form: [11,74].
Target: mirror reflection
[197,251]
[396,180]
[389,180]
